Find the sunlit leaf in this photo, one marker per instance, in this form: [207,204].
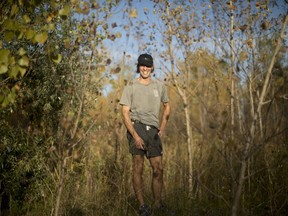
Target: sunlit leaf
[22,70]
[118,35]
[51,27]
[24,61]
[14,10]
[73,2]
[13,72]
[30,34]
[64,12]
[49,18]
[3,68]
[12,60]
[21,51]
[41,37]
[26,18]
[67,43]
[243,56]
[57,59]
[4,56]
[133,13]
[101,69]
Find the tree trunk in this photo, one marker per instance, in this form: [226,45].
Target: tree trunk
[60,188]
[254,123]
[232,71]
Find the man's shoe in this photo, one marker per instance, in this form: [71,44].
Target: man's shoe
[144,210]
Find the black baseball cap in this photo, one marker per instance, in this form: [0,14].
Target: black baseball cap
[146,60]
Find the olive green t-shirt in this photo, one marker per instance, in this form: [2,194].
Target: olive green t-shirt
[144,100]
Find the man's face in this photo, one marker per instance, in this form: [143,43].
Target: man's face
[145,71]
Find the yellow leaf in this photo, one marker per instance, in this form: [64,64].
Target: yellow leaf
[24,61]
[57,59]
[49,17]
[21,51]
[14,10]
[133,13]
[4,56]
[118,35]
[14,71]
[41,37]
[73,2]
[12,60]
[22,71]
[243,56]
[26,18]
[102,69]
[66,43]
[3,69]
[64,12]
[51,26]
[30,34]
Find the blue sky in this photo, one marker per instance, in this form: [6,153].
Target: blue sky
[131,46]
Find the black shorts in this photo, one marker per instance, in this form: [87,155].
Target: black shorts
[152,141]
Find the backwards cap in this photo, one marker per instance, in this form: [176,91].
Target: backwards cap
[146,60]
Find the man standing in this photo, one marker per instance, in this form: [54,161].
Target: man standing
[141,100]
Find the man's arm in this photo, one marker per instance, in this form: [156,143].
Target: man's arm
[128,123]
[165,117]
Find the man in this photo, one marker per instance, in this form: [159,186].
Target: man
[141,100]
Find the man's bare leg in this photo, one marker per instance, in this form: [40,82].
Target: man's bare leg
[157,179]
[138,166]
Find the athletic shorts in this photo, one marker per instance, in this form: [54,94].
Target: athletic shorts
[152,141]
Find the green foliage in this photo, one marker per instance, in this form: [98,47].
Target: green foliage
[22,168]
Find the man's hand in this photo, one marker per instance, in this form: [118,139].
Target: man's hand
[139,143]
[160,132]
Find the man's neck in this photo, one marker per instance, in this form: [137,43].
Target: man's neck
[144,81]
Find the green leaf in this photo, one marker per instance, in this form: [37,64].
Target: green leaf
[3,69]
[26,18]
[14,10]
[22,71]
[30,34]
[9,24]
[4,56]
[57,59]
[24,61]
[8,36]
[5,102]
[41,37]
[14,71]
[64,12]
[21,51]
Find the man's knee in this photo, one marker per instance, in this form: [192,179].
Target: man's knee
[138,165]
[158,172]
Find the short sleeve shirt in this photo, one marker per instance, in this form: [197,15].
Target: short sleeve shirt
[144,100]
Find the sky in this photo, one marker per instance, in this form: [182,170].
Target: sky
[129,44]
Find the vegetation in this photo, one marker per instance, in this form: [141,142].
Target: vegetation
[63,66]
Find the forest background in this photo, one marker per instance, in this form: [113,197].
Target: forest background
[63,66]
